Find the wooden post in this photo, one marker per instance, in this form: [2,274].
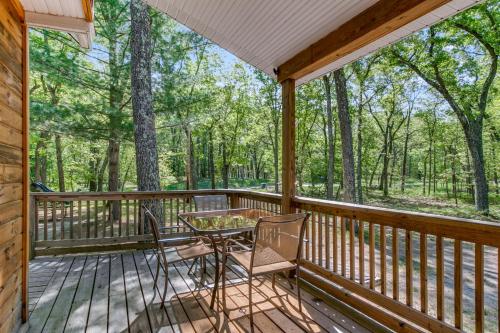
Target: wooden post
[288,145]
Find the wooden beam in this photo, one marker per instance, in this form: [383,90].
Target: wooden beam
[87,6]
[25,171]
[288,145]
[64,23]
[382,18]
[18,7]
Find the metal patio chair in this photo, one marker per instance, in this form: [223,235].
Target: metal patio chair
[210,202]
[276,248]
[172,250]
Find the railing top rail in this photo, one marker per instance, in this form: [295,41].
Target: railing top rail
[482,232]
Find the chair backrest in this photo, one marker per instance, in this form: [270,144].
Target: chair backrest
[278,239]
[153,224]
[210,202]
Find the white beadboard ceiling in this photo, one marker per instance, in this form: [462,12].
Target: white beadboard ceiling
[266,33]
[63,15]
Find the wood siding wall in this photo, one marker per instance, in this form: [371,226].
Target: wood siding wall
[12,235]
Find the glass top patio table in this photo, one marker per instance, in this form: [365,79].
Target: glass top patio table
[223,221]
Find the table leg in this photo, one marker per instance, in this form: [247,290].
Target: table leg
[216,278]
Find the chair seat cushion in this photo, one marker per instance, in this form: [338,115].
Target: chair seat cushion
[243,258]
[188,251]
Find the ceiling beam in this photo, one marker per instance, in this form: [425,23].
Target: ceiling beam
[18,8]
[382,18]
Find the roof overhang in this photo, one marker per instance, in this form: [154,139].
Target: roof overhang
[72,16]
[306,39]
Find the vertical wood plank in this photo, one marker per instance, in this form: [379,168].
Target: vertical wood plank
[361,242]
[45,221]
[383,262]
[308,237]
[342,246]
[135,217]
[439,278]
[71,220]
[37,217]
[104,219]
[395,264]
[63,216]
[423,273]
[479,286]
[88,219]
[96,216]
[458,285]
[127,221]
[320,240]
[352,254]
[54,218]
[371,235]
[79,219]
[327,241]
[313,243]
[409,268]
[335,244]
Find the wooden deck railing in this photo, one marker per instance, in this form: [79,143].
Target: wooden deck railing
[412,272]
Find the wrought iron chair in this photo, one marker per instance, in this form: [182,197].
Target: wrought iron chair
[276,248]
[173,250]
[210,202]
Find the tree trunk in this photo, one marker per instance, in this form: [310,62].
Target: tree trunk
[191,182]
[474,138]
[146,152]
[100,175]
[60,166]
[93,168]
[405,154]
[359,166]
[211,163]
[225,167]
[330,137]
[345,136]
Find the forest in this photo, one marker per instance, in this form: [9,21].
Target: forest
[415,125]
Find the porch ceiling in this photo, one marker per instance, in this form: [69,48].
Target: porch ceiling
[267,34]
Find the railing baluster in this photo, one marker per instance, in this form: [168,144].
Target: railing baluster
[320,241]
[326,219]
[36,203]
[96,218]
[439,278]
[45,221]
[308,237]
[313,243]
[88,219]
[423,273]
[352,254]
[409,268]
[71,235]
[171,213]
[371,235]
[458,285]
[335,244]
[54,219]
[395,264]
[342,246]
[104,219]
[135,217]
[127,205]
[479,287]
[383,262]
[79,219]
[361,243]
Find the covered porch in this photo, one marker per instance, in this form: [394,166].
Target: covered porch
[366,268]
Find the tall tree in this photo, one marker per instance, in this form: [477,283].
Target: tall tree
[445,57]
[146,152]
[345,136]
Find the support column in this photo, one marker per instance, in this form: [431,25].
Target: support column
[288,145]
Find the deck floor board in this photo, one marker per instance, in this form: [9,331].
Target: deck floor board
[114,293]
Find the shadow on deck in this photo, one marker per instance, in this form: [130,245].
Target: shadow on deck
[114,293]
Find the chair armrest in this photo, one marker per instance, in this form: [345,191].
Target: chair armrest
[172,227]
[235,242]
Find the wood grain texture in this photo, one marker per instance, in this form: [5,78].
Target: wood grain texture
[384,17]
[13,216]
[288,144]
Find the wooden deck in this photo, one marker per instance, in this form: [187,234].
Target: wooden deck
[114,293]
